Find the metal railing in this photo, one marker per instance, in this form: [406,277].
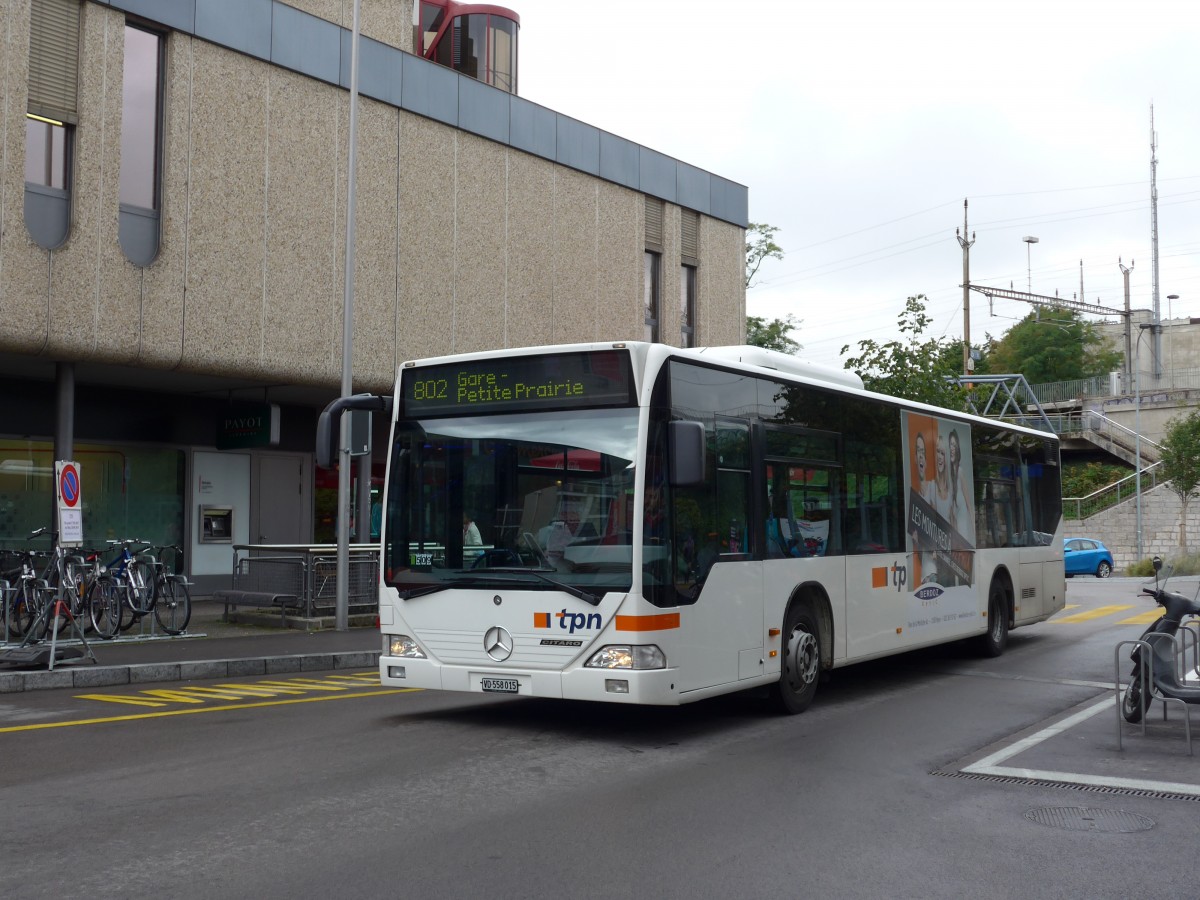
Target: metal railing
[1097,422]
[309,572]
[1111,495]
[1102,386]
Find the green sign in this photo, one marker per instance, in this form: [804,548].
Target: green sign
[244,426]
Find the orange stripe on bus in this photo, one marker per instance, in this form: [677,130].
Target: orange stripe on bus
[541,620]
[879,577]
[648,623]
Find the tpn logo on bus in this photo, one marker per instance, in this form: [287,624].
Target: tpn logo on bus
[896,574]
[929,592]
[569,622]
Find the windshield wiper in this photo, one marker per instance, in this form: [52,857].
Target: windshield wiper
[583,595]
[434,588]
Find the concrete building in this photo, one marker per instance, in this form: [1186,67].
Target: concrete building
[172,243]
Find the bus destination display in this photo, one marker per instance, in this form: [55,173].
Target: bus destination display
[512,384]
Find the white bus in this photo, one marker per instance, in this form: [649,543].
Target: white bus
[639,523]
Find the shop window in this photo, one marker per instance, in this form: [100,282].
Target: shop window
[141,145]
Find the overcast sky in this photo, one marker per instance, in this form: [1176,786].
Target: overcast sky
[860,126]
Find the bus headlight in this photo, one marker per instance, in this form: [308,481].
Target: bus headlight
[628,656]
[402,645]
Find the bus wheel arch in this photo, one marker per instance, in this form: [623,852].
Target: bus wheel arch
[806,649]
[1000,614]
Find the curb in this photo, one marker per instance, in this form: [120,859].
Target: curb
[85,676]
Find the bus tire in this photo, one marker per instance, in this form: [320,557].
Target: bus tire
[995,639]
[801,666]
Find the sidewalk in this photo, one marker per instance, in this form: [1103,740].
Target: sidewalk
[212,648]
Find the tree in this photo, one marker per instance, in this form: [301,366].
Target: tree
[1180,456]
[774,334]
[1055,345]
[760,246]
[912,367]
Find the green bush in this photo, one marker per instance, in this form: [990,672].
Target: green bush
[1180,565]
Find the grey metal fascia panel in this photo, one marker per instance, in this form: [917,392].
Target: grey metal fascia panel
[656,174]
[729,201]
[47,215]
[380,69]
[619,160]
[138,234]
[693,187]
[242,25]
[578,145]
[532,128]
[483,110]
[177,14]
[430,90]
[305,44]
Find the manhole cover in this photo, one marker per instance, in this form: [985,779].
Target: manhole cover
[1074,818]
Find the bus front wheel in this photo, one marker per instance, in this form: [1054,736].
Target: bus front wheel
[797,683]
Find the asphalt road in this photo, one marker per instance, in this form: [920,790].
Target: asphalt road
[327,785]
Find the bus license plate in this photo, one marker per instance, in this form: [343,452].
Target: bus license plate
[499,685]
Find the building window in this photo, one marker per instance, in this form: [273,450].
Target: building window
[482,45]
[141,144]
[652,285]
[51,114]
[687,305]
[46,153]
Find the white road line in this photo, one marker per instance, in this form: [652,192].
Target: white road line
[989,765]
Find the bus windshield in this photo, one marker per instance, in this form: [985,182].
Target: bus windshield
[538,501]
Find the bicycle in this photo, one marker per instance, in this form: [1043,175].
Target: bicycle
[172,600]
[27,611]
[126,585]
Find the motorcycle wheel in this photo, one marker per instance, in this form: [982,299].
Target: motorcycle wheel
[1135,702]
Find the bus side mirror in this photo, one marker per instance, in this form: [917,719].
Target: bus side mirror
[329,423]
[685,441]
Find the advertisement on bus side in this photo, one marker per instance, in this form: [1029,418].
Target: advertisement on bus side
[940,518]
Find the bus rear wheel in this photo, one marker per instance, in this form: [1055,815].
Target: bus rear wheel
[797,685]
[993,642]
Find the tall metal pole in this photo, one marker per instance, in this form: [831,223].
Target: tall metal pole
[1125,270]
[342,601]
[1157,321]
[1137,451]
[966,249]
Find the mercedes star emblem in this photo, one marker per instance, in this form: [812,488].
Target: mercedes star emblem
[498,643]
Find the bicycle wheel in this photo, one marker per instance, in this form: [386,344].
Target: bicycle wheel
[142,586]
[104,607]
[31,604]
[173,608]
[19,611]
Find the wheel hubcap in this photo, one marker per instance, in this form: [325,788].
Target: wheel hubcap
[802,659]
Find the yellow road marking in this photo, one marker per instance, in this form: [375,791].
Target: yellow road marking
[241,691]
[1142,618]
[133,717]
[1098,613]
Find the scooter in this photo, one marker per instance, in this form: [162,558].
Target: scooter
[1160,637]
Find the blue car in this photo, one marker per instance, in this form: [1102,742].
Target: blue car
[1085,556]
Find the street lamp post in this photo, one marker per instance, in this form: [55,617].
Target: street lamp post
[1137,433]
[1170,342]
[1029,240]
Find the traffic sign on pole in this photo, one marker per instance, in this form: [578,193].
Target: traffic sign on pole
[70,506]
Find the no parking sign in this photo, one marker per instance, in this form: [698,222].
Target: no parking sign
[70,505]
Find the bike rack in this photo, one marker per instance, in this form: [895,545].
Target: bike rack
[1149,692]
